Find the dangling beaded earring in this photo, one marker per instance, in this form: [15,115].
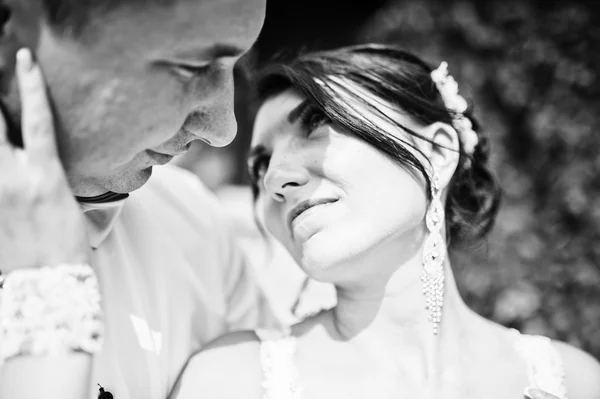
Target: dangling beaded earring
[434,253]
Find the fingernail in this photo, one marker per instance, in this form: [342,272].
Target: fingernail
[24,59]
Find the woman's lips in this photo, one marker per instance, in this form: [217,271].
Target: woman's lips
[304,206]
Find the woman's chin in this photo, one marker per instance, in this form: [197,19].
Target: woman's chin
[320,257]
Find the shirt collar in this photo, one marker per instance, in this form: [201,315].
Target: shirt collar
[100,219]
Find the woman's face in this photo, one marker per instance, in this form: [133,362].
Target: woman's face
[330,198]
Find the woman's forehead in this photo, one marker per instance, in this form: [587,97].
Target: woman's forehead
[273,115]
[366,104]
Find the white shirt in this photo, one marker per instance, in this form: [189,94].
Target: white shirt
[172,278]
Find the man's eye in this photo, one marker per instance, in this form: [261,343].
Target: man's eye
[189,72]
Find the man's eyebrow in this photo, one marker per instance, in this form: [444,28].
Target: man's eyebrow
[296,112]
[221,50]
[218,50]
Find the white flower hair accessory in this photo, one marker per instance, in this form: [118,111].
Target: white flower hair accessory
[455,103]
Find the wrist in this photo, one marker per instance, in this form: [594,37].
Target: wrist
[50,310]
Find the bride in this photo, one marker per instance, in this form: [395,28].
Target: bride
[366,165]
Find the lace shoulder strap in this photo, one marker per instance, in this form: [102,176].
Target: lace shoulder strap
[277,349]
[543,362]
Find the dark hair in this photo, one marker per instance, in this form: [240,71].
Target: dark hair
[72,17]
[402,79]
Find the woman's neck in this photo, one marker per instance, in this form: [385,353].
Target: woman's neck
[392,317]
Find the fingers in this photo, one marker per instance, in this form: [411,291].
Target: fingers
[3,132]
[36,120]
[6,147]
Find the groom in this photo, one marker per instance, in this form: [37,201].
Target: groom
[133,83]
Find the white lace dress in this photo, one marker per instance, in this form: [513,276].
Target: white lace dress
[544,365]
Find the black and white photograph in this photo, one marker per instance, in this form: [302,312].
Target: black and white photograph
[269,199]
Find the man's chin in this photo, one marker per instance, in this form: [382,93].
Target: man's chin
[127,182]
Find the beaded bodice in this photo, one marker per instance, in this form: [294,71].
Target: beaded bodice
[277,351]
[544,365]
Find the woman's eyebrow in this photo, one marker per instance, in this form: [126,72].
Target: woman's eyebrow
[296,112]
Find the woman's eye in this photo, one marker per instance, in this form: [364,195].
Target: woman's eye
[257,168]
[312,117]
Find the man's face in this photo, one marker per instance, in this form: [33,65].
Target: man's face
[154,79]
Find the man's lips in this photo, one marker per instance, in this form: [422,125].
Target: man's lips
[173,153]
[306,205]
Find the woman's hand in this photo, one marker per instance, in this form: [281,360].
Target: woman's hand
[40,221]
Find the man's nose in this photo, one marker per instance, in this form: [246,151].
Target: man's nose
[215,123]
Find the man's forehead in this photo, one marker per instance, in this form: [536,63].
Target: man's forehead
[183,25]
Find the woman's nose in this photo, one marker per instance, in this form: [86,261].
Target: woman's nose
[283,178]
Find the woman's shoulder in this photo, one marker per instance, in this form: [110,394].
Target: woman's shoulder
[228,367]
[551,359]
[582,372]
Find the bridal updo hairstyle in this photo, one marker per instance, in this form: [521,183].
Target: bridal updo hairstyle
[402,79]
